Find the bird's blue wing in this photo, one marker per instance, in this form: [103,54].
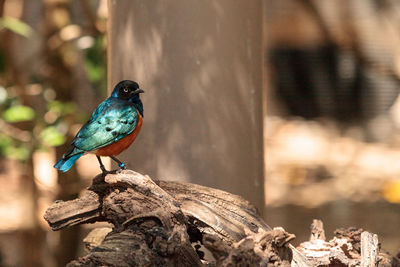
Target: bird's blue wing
[112,120]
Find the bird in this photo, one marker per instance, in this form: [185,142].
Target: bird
[111,129]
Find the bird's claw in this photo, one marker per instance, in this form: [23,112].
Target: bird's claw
[104,172]
[122,166]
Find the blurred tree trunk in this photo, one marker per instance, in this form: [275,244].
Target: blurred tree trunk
[43,59]
[31,235]
[201,65]
[59,76]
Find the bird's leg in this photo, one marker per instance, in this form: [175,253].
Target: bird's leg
[103,169]
[120,163]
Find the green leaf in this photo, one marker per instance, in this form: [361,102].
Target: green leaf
[17,152]
[5,142]
[18,113]
[16,26]
[95,62]
[61,108]
[51,137]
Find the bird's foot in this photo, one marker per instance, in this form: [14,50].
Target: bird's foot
[103,169]
[122,166]
[104,172]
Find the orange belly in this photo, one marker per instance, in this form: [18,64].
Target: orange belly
[116,148]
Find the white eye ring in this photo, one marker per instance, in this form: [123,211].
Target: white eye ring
[126,90]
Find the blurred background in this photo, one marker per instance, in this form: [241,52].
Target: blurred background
[331,126]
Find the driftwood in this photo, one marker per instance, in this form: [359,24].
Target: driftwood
[158,223]
[169,224]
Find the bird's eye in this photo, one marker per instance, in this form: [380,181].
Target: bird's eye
[126,90]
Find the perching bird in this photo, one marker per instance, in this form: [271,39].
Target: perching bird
[111,129]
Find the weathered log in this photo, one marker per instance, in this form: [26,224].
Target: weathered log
[163,223]
[211,210]
[149,228]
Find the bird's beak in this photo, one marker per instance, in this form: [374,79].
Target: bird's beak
[138,91]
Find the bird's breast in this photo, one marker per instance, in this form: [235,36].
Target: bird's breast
[116,148]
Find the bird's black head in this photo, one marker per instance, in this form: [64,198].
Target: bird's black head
[129,91]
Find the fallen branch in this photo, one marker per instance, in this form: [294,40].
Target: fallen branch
[166,223]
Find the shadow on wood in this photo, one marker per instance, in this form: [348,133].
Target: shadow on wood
[158,223]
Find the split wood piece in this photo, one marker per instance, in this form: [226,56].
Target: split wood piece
[96,237]
[298,258]
[369,249]
[317,230]
[159,218]
[81,210]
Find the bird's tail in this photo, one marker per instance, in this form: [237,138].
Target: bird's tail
[66,163]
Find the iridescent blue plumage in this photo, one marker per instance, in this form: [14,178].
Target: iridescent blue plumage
[115,118]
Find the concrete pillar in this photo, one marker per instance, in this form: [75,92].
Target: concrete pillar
[200,63]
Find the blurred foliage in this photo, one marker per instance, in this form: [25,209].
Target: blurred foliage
[12,149]
[52,137]
[61,108]
[96,61]
[45,129]
[18,113]
[15,26]
[52,72]
[29,122]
